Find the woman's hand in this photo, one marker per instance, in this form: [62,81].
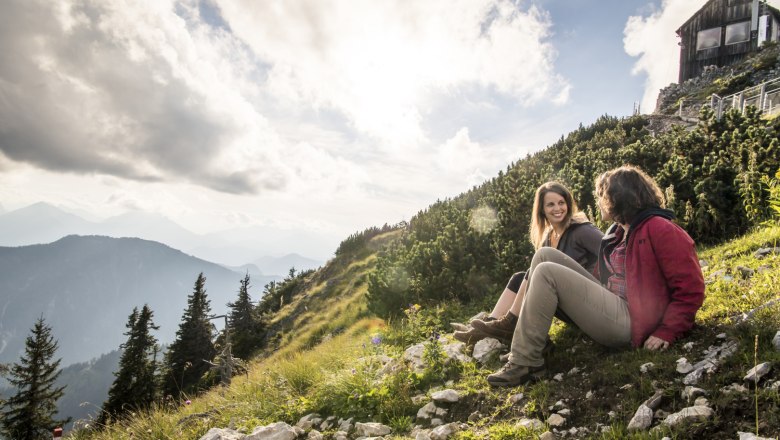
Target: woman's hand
[653,343]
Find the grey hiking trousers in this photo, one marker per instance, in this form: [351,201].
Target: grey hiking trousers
[558,282]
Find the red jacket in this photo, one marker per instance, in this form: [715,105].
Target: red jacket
[664,283]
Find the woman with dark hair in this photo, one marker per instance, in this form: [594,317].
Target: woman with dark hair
[555,222]
[647,290]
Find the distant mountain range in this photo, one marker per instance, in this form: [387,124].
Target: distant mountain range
[86,286]
[44,223]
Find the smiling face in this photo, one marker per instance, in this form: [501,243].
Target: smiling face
[555,208]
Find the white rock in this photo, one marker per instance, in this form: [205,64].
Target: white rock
[721,336]
[530,423]
[589,395]
[758,372]
[556,420]
[454,352]
[558,377]
[315,435]
[701,401]
[644,368]
[693,377]
[612,415]
[427,412]
[222,434]
[444,431]
[690,393]
[734,388]
[486,348]
[436,422]
[573,371]
[683,366]
[345,425]
[642,419]
[689,415]
[566,412]
[414,355]
[441,412]
[547,435]
[627,386]
[340,435]
[751,436]
[776,340]
[419,399]
[688,346]
[371,429]
[274,431]
[423,435]
[447,396]
[558,405]
[514,398]
[307,421]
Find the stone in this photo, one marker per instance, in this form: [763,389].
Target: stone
[530,423]
[776,340]
[345,425]
[436,422]
[644,368]
[423,435]
[558,405]
[441,412]
[274,431]
[547,435]
[446,396]
[691,393]
[486,348]
[683,366]
[763,252]
[689,415]
[688,346]
[454,352]
[693,377]
[556,420]
[573,371]
[474,417]
[558,377]
[750,436]
[734,388]
[758,372]
[371,429]
[701,401]
[627,386]
[703,263]
[309,420]
[721,336]
[222,434]
[340,435]
[612,415]
[444,431]
[514,398]
[330,422]
[427,412]
[566,412]
[419,399]
[655,400]
[315,435]
[745,272]
[642,419]
[589,395]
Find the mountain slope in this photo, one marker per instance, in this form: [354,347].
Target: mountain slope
[39,223]
[85,287]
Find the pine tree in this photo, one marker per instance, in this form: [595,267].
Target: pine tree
[186,360]
[134,386]
[245,328]
[29,414]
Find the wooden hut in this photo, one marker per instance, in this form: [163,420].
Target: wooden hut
[724,32]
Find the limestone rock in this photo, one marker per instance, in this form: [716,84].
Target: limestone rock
[514,398]
[683,366]
[689,415]
[693,377]
[371,429]
[340,435]
[734,388]
[474,417]
[274,431]
[558,377]
[547,435]
[701,401]
[556,420]
[330,422]
[566,412]
[454,352]
[486,348]
[419,399]
[758,372]
[309,420]
[750,436]
[691,393]
[745,272]
[423,435]
[688,346]
[446,396]
[443,432]
[222,434]
[345,425]
[315,435]
[530,423]
[642,419]
[427,412]
[763,252]
[655,400]
[644,368]
[776,340]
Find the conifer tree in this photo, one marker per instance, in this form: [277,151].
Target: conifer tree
[29,414]
[134,386]
[186,360]
[244,326]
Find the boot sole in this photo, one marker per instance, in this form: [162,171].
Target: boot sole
[529,378]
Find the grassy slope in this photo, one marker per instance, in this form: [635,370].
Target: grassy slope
[326,364]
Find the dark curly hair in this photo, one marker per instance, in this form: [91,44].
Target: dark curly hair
[624,192]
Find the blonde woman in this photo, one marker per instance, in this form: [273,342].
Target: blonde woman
[555,222]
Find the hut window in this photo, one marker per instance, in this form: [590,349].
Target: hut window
[708,39]
[738,32]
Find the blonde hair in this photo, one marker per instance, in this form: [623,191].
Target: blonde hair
[539,223]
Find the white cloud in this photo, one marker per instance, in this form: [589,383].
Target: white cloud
[380,62]
[654,40]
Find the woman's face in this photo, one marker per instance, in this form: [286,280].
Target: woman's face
[555,208]
[604,214]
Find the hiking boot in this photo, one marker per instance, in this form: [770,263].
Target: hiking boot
[548,349]
[511,375]
[471,336]
[502,328]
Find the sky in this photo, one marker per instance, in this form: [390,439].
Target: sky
[323,116]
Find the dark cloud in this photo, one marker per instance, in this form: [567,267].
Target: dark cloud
[98,93]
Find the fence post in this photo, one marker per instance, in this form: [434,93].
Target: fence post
[762,96]
[681,107]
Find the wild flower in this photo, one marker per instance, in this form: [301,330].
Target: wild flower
[376,340]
